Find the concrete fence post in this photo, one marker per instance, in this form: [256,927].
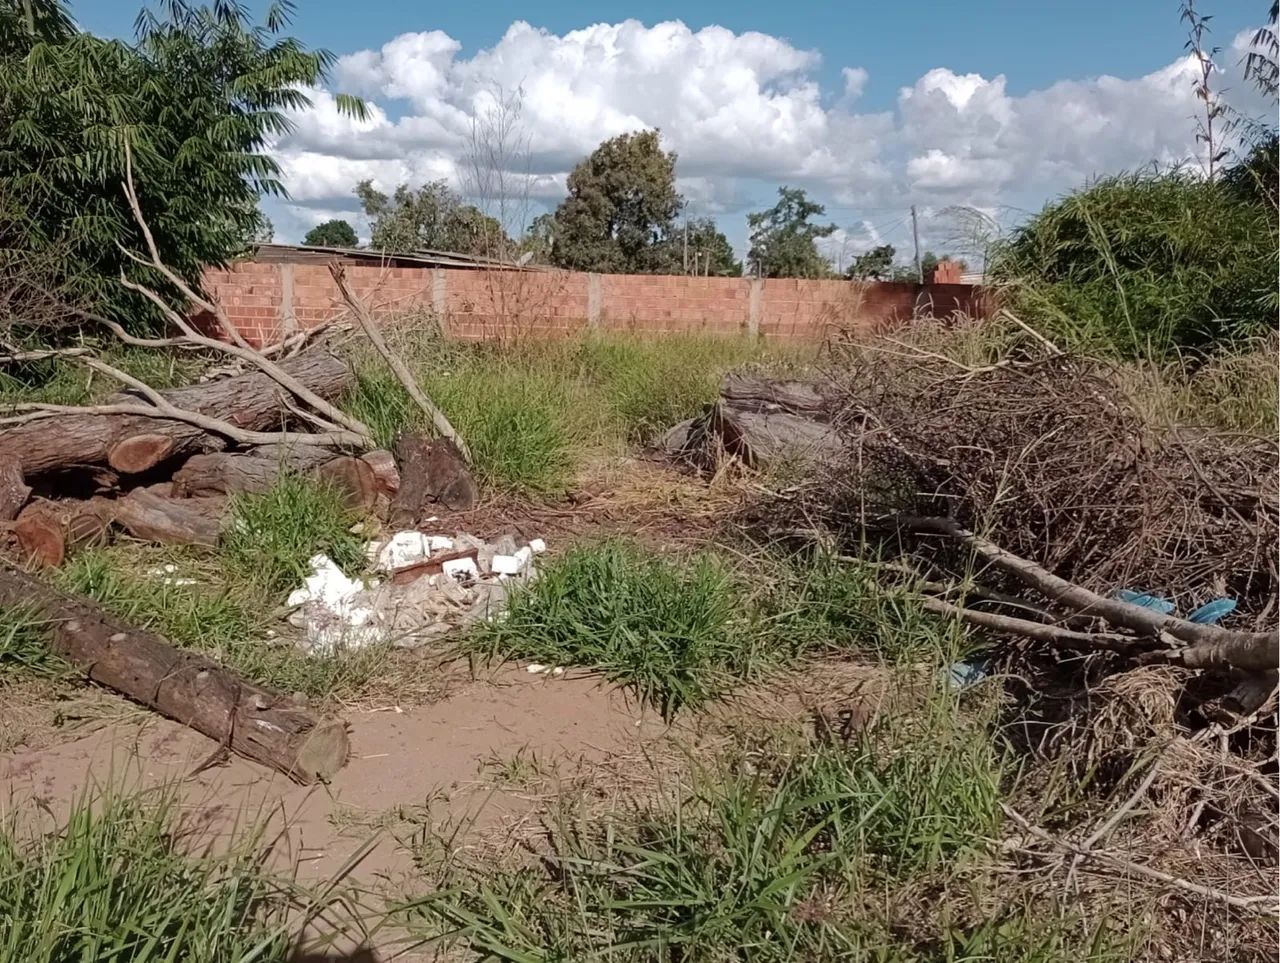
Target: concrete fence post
[595,300]
[440,299]
[288,319]
[755,305]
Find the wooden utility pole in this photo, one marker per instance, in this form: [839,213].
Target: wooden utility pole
[915,237]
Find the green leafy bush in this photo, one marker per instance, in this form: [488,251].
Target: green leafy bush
[1146,264]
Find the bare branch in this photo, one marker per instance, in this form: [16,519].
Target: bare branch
[1210,645]
[240,349]
[1040,631]
[402,373]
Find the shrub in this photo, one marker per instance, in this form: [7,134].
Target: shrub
[1146,263]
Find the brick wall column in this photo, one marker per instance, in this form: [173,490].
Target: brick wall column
[755,305]
[595,300]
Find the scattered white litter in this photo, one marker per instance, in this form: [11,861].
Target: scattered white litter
[338,613]
[334,610]
[537,668]
[166,573]
[460,568]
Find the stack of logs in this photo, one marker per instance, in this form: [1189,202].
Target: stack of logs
[168,481]
[69,477]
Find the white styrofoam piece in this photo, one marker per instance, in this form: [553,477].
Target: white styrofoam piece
[537,546]
[524,556]
[440,543]
[460,568]
[505,565]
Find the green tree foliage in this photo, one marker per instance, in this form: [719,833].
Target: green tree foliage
[873,265]
[710,252]
[621,210]
[1147,263]
[431,218]
[539,239]
[334,233]
[196,97]
[784,239]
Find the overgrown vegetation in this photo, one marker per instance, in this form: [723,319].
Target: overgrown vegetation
[680,631]
[533,413]
[196,98]
[793,852]
[273,535]
[125,880]
[1145,264]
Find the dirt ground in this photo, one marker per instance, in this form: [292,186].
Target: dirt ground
[446,759]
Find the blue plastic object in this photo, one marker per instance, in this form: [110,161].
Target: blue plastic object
[967,672]
[1153,602]
[1213,612]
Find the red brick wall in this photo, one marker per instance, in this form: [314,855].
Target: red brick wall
[269,300]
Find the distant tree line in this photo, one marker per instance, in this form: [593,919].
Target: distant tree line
[622,215]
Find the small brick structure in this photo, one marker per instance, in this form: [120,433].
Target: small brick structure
[269,299]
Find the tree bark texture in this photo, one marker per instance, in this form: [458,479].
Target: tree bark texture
[132,443]
[245,718]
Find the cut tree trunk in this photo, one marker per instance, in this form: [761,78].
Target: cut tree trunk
[154,517]
[758,421]
[131,443]
[245,473]
[432,473]
[243,717]
[255,471]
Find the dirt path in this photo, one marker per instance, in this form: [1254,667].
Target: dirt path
[458,759]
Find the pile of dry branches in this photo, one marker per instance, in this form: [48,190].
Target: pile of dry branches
[1047,458]
[1021,492]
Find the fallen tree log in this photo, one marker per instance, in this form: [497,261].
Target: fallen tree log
[432,473]
[257,470]
[758,421]
[241,716]
[154,517]
[245,473]
[132,443]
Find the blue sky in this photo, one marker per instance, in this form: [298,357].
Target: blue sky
[870,106]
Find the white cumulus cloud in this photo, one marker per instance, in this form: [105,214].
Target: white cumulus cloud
[744,111]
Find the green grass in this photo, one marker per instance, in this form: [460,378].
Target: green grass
[672,629]
[534,412]
[682,630]
[63,381]
[813,853]
[818,603]
[273,535]
[122,881]
[24,650]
